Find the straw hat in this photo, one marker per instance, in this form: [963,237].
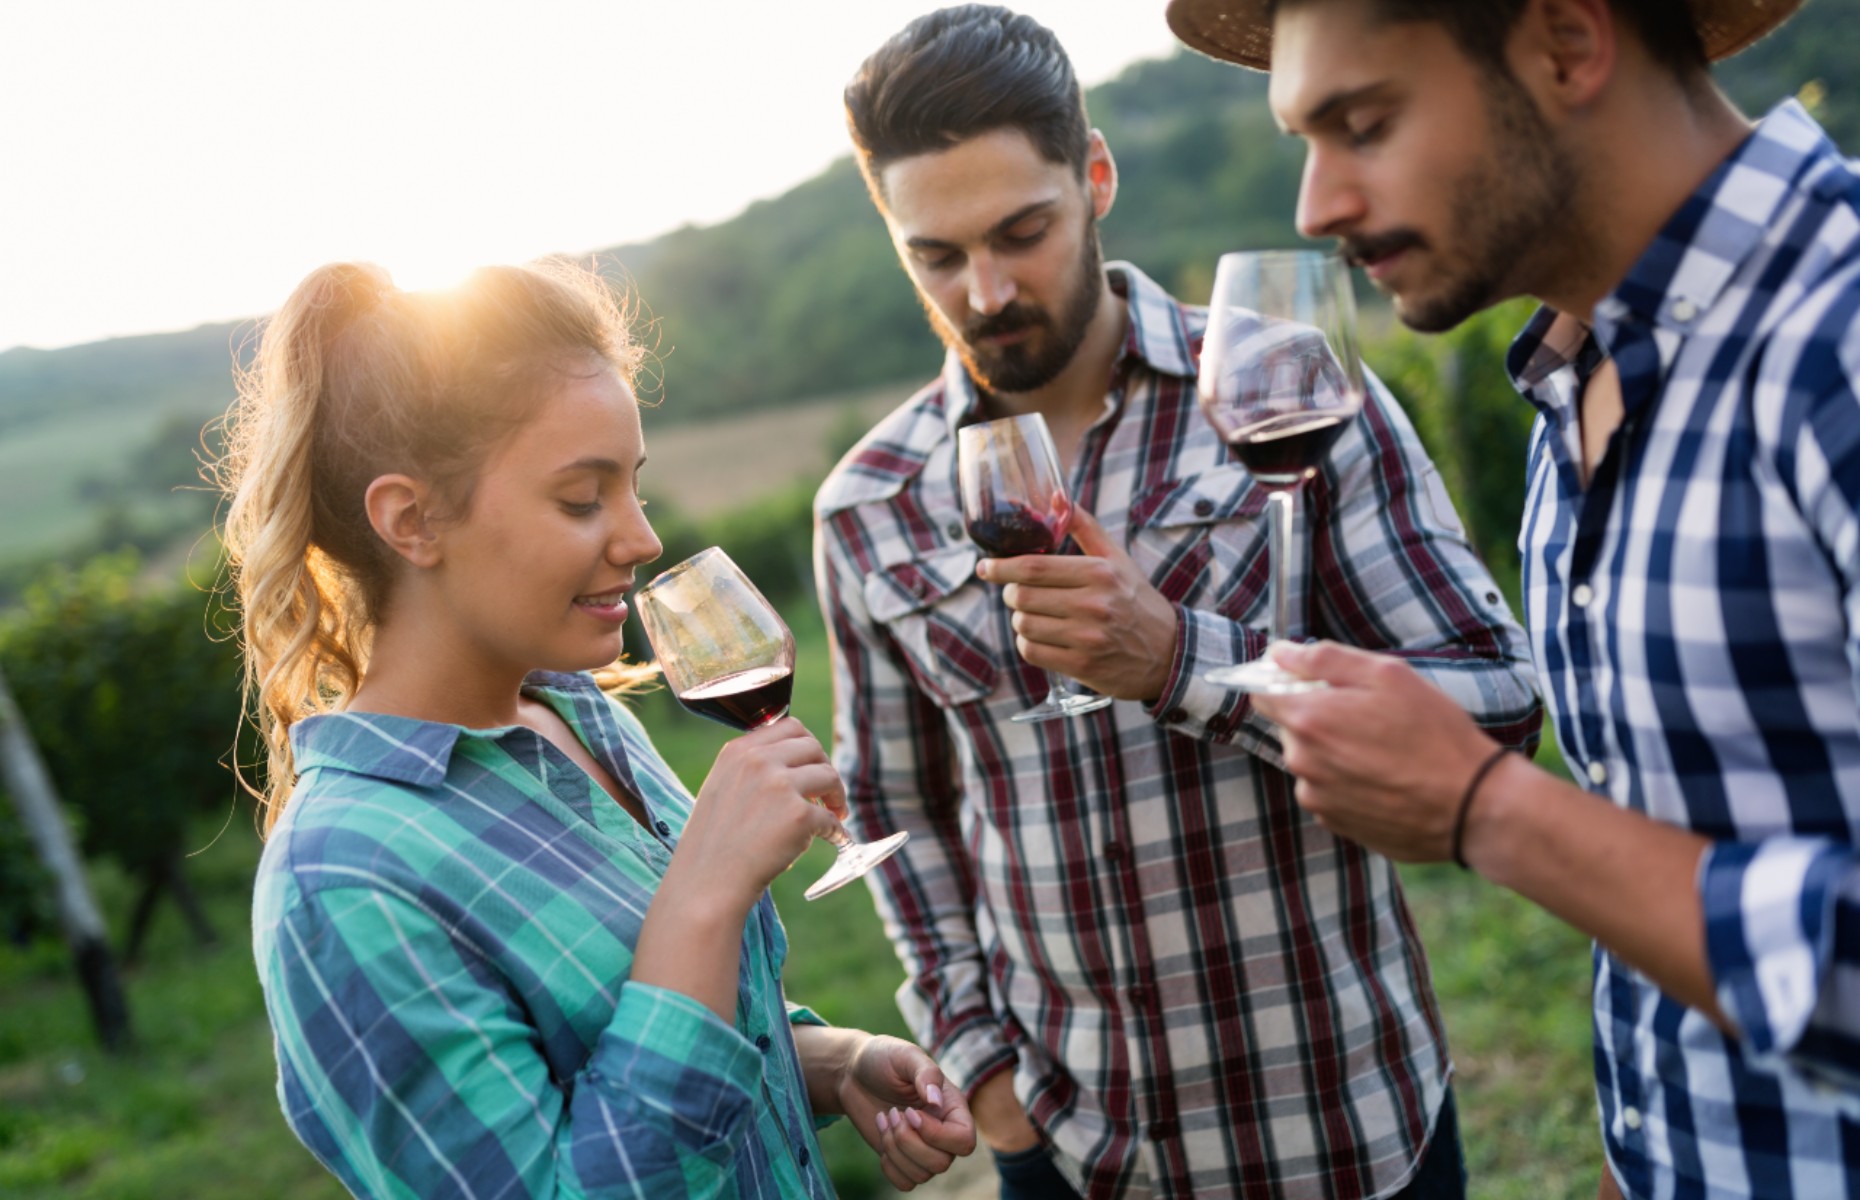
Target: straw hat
[1240,31]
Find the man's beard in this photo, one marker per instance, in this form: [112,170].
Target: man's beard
[1509,214]
[1037,360]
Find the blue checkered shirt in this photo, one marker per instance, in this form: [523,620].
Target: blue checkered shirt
[1693,616]
[444,923]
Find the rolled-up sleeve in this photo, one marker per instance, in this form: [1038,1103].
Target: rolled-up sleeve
[1782,932]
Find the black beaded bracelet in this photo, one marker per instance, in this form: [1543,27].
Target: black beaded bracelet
[1472,789]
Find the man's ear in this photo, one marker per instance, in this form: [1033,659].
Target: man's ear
[1100,175]
[1565,52]
[400,510]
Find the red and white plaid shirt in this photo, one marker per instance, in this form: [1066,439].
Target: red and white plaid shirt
[1201,992]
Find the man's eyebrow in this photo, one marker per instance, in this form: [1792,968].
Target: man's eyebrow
[999,227]
[1328,108]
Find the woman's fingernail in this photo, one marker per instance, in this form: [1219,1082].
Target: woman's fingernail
[882,1127]
[935,1095]
[914,1117]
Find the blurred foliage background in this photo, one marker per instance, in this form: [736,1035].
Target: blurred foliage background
[114,644]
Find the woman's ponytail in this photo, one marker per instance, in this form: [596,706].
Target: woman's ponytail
[355,379]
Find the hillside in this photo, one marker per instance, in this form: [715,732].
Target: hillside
[796,298]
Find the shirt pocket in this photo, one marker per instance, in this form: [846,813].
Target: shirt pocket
[1202,539]
[945,620]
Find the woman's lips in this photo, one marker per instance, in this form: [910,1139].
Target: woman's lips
[605,606]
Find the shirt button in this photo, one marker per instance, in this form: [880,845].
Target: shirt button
[1204,508]
[954,529]
[1140,997]
[1630,1116]
[1165,1128]
[1582,596]
[1684,310]
[763,1043]
[664,829]
[1117,852]
[1175,716]
[804,1156]
[1598,775]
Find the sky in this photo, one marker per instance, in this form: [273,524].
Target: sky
[165,165]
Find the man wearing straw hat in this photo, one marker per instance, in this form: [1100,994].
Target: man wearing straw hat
[1153,974]
[1691,535]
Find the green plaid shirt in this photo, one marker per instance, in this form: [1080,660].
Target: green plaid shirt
[444,923]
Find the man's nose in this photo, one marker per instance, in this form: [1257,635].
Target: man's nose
[991,289]
[1330,203]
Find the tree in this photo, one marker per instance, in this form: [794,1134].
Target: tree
[31,789]
[135,707]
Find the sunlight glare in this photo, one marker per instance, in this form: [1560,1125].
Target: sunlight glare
[432,268]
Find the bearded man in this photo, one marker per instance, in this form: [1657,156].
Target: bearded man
[1691,535]
[1150,972]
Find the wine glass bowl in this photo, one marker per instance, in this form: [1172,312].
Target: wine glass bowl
[724,650]
[1280,380]
[726,654]
[1014,502]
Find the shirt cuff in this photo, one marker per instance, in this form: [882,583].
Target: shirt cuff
[974,1052]
[676,1066]
[1769,927]
[1190,704]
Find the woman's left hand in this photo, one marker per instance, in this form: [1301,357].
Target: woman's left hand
[902,1105]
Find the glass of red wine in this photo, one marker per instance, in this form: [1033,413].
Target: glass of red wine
[727,655]
[1014,501]
[1281,378]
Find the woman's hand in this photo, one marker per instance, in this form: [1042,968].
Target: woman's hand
[902,1105]
[753,818]
[756,812]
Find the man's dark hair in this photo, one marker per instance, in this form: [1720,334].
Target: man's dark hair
[960,72]
[1482,27]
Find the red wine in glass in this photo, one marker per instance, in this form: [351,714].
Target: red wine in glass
[743,700]
[1284,451]
[1009,529]
[1014,502]
[727,655]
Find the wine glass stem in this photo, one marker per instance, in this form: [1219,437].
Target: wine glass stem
[1279,552]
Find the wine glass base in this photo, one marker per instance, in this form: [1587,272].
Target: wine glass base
[1054,709]
[1263,677]
[855,860]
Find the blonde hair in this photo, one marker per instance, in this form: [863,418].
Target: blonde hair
[354,379]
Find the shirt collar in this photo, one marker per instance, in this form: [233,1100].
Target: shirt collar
[1156,334]
[1703,245]
[1699,250]
[406,749]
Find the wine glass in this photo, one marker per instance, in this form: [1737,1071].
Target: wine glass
[1280,379]
[727,655]
[1014,500]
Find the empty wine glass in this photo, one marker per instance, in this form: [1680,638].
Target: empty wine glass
[1280,379]
[727,655]
[1014,501]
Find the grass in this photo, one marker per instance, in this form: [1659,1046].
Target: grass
[193,1112]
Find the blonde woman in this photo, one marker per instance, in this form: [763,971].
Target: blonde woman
[503,951]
